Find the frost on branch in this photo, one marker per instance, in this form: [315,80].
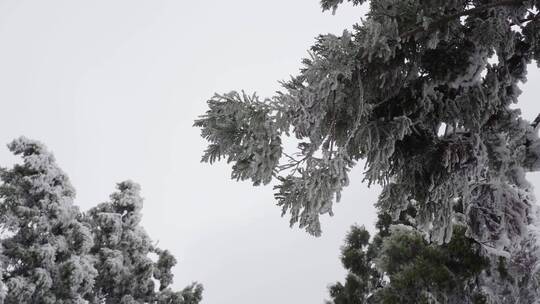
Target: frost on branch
[243,130]
[311,194]
[381,92]
[333,4]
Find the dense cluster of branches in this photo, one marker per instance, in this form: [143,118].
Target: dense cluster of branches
[52,253]
[415,270]
[422,92]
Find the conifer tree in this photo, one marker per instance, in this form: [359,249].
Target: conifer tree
[122,249]
[422,92]
[45,250]
[52,253]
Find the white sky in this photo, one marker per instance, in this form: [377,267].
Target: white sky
[113,87]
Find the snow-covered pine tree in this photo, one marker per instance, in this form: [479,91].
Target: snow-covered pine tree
[422,92]
[127,273]
[45,246]
[51,253]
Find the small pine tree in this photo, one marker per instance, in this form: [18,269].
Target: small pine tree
[122,249]
[51,253]
[422,92]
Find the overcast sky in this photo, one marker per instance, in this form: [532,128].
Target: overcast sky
[112,88]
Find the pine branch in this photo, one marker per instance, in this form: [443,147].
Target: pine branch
[446,19]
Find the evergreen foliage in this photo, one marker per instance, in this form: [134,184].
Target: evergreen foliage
[400,266]
[422,92]
[51,252]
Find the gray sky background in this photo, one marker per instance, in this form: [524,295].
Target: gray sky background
[113,87]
